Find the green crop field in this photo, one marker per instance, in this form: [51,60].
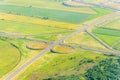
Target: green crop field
[9,57]
[108,35]
[108,39]
[57,15]
[107,31]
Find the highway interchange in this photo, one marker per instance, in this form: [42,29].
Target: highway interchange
[86,27]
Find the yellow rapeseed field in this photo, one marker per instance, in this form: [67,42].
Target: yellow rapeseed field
[32,20]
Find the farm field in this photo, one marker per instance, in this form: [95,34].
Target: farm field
[107,31]
[50,5]
[17,27]
[31,20]
[56,15]
[9,57]
[36,30]
[108,38]
[108,35]
[49,40]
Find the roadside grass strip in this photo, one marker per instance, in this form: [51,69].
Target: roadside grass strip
[108,35]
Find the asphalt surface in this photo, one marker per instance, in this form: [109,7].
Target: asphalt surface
[36,57]
[99,40]
[101,5]
[82,47]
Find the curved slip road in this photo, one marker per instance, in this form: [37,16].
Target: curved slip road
[97,50]
[98,5]
[28,63]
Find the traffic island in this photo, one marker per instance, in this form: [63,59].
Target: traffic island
[63,49]
[37,45]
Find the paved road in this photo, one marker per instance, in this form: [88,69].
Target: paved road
[109,52]
[98,50]
[22,37]
[101,5]
[25,65]
[99,40]
[82,47]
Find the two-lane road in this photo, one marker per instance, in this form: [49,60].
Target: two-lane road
[28,63]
